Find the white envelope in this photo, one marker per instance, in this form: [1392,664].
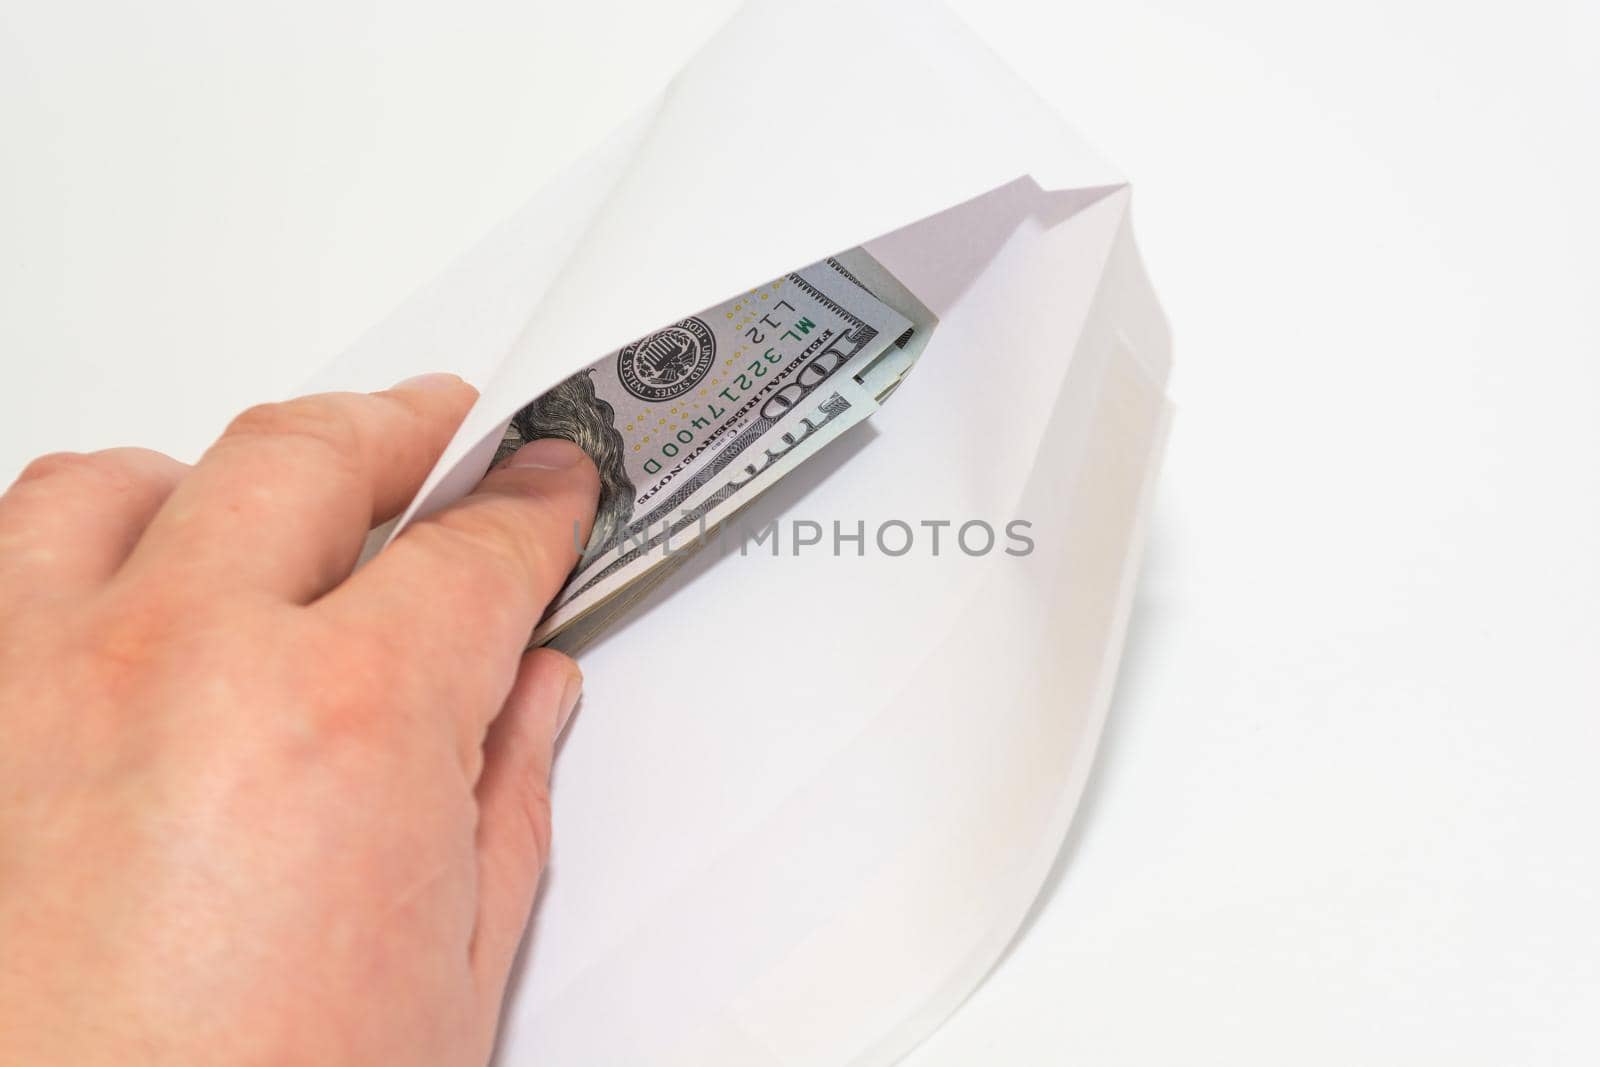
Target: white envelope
[808,799]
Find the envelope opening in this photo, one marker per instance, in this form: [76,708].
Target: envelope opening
[690,423]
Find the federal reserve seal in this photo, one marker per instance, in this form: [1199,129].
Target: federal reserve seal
[668,363]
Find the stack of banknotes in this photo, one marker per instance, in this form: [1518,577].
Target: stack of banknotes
[690,423]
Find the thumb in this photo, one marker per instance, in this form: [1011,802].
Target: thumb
[513,795]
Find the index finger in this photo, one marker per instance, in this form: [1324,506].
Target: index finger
[456,596]
[284,499]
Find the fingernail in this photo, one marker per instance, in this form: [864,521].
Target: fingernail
[569,700]
[547,453]
[438,380]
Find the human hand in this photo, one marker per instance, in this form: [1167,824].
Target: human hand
[255,809]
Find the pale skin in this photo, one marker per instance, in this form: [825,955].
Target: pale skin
[258,807]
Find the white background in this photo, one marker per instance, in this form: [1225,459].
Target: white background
[1346,806]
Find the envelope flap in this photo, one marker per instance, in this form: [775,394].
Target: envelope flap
[798,130]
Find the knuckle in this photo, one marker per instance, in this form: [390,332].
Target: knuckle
[314,432]
[114,472]
[135,637]
[139,462]
[325,714]
[484,590]
[534,806]
[60,464]
[340,684]
[484,548]
[554,661]
[318,422]
[524,831]
[491,530]
[411,403]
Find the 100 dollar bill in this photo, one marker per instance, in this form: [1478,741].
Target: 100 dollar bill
[689,525]
[688,424]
